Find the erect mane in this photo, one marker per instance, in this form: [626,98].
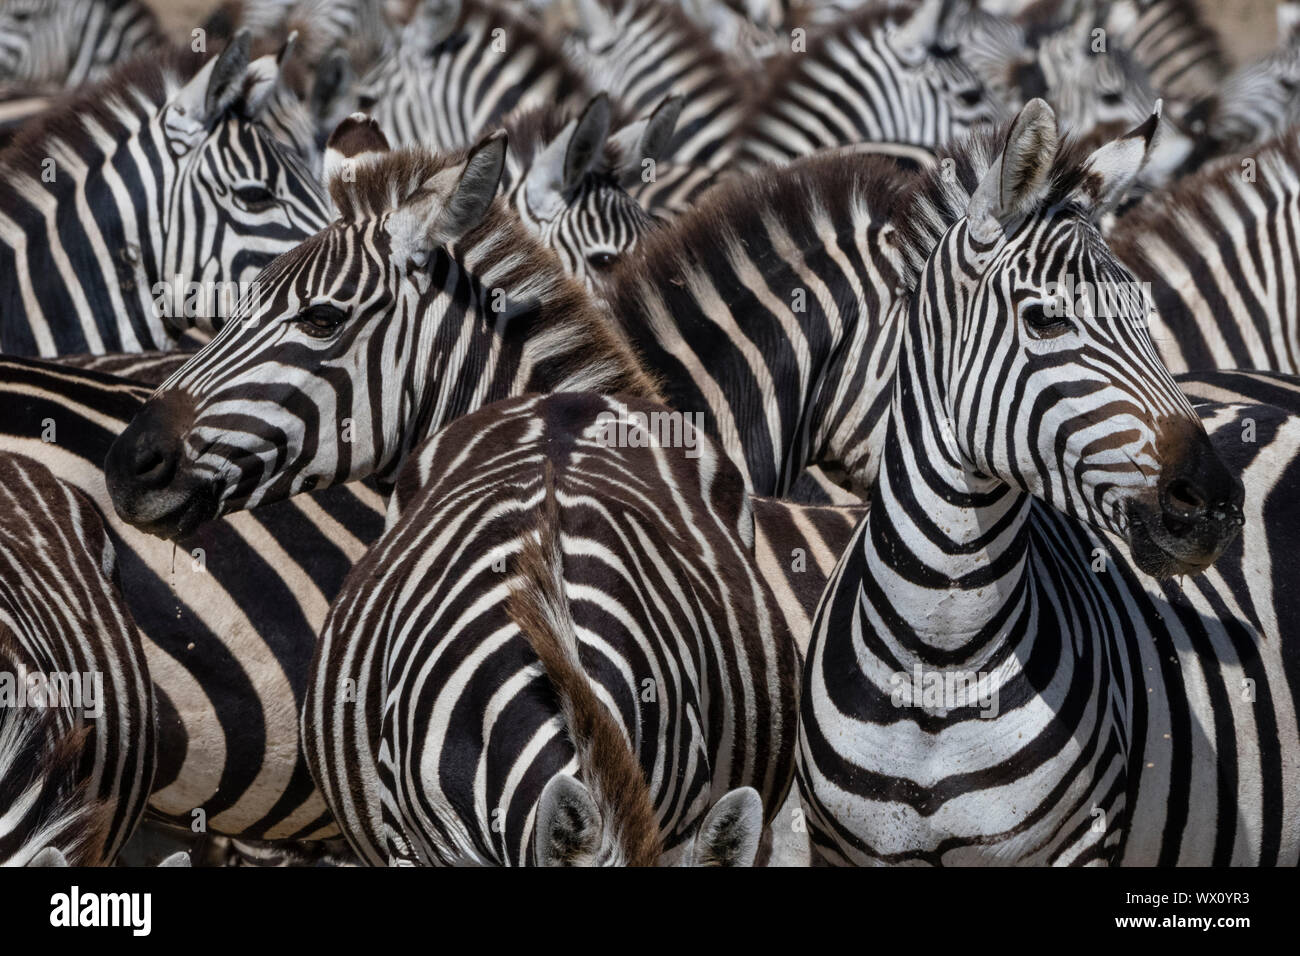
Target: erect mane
[502,253]
[606,764]
[722,223]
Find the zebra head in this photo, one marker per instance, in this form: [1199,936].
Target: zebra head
[387,324]
[564,176]
[243,188]
[1048,379]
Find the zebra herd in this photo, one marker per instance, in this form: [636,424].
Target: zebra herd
[648,432]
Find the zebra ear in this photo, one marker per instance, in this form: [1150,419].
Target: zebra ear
[1018,178]
[50,856]
[334,78]
[731,831]
[211,92]
[568,828]
[449,203]
[566,159]
[1112,169]
[179,858]
[1288,23]
[646,138]
[263,77]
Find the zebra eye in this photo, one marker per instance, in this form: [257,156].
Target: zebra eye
[255,198]
[1112,97]
[941,52]
[320,321]
[970,97]
[602,260]
[1043,324]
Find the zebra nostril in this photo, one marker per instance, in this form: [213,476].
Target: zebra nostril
[152,467]
[1186,497]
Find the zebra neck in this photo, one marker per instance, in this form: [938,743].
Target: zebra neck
[945,550]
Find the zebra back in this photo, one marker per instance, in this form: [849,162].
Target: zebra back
[1219,253]
[640,600]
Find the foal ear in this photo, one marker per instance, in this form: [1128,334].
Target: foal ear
[449,203]
[1112,169]
[646,138]
[50,856]
[1018,179]
[566,159]
[731,830]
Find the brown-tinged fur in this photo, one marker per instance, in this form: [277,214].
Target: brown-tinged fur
[392,179]
[56,762]
[606,764]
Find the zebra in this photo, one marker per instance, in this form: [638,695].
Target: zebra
[425,251]
[880,74]
[228,617]
[49,45]
[561,652]
[1181,53]
[160,177]
[819,398]
[1219,252]
[77,723]
[458,68]
[1001,669]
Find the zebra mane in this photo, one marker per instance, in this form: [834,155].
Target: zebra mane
[584,351]
[35,756]
[606,764]
[941,194]
[794,195]
[1199,197]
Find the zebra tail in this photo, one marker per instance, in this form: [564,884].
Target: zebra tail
[606,764]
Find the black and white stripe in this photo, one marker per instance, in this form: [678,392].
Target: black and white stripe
[163,170]
[229,616]
[1042,480]
[554,628]
[78,750]
[1221,250]
[48,45]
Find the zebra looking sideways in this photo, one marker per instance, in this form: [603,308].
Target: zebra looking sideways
[659,724]
[77,732]
[164,170]
[47,45]
[420,253]
[1001,670]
